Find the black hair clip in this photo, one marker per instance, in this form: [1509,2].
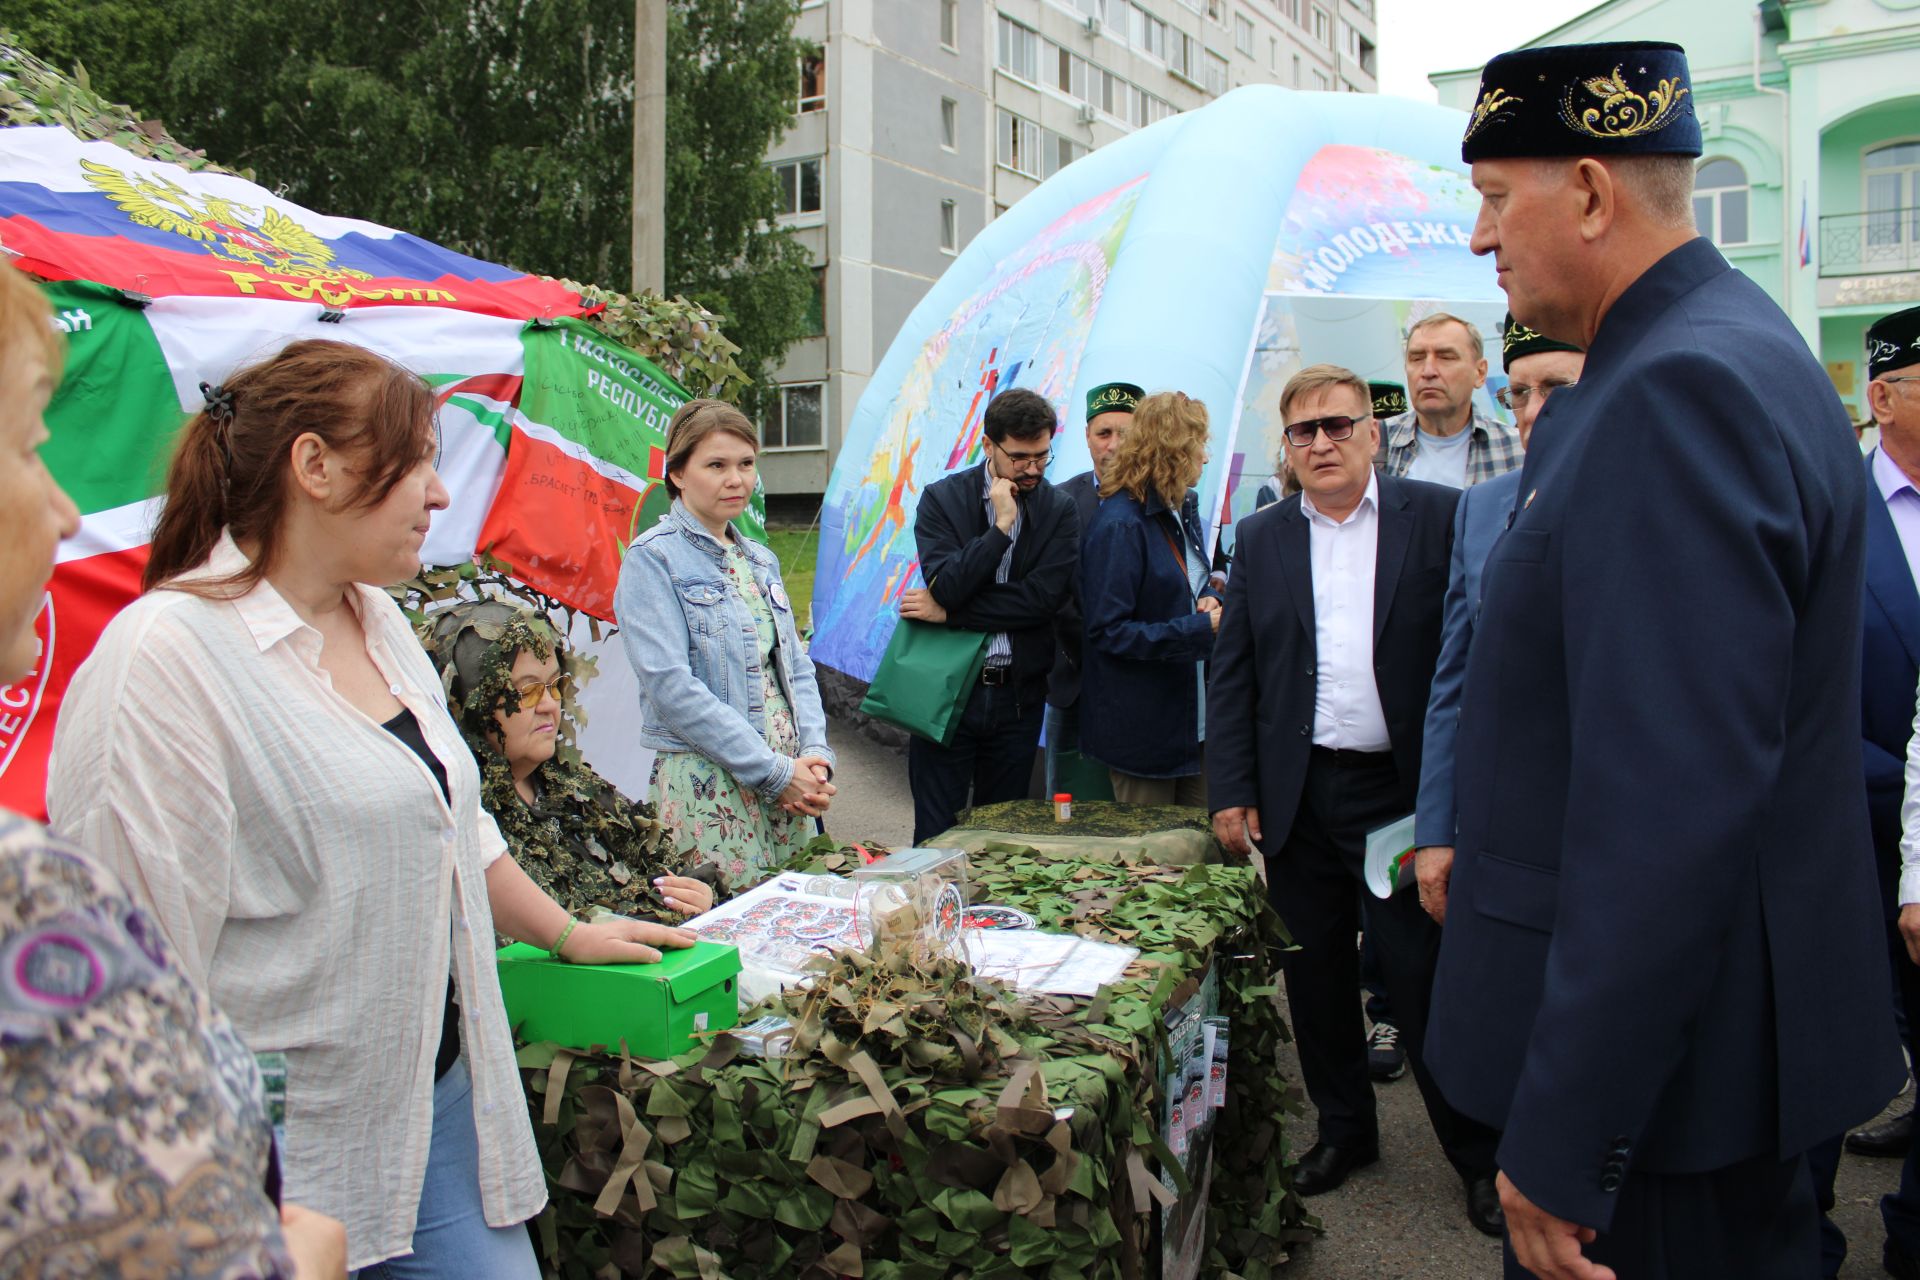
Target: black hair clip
[219,401]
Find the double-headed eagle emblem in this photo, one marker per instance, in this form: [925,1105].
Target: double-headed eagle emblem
[259,237]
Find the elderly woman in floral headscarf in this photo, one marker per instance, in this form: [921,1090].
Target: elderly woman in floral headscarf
[509,677]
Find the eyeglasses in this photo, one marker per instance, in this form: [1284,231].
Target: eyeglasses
[1038,461]
[1340,427]
[1516,394]
[531,695]
[1905,377]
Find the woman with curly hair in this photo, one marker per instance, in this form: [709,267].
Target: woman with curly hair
[510,678]
[1150,615]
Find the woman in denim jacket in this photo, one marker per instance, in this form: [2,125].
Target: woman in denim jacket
[727,693]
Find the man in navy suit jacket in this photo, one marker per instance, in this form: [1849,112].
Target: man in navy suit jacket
[1662,974]
[1536,367]
[1314,711]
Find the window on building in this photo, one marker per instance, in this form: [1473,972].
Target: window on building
[1892,177]
[998,209]
[1292,9]
[949,227]
[1320,81]
[816,319]
[949,123]
[1273,54]
[813,82]
[799,186]
[1296,71]
[1018,144]
[1350,37]
[1060,152]
[950,23]
[1323,27]
[1147,33]
[1216,72]
[1720,201]
[1072,74]
[1019,50]
[1185,56]
[1243,33]
[795,418]
[1217,12]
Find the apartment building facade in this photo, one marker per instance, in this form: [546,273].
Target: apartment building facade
[921,120]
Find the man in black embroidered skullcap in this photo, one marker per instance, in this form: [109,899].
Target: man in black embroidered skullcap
[1661,974]
[1109,412]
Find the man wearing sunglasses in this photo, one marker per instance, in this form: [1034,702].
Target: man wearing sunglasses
[1537,366]
[1321,673]
[998,549]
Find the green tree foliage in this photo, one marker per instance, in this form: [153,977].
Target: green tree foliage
[502,128]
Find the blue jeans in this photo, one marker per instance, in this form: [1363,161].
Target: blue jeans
[451,1238]
[991,755]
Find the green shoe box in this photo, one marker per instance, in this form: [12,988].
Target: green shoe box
[655,1008]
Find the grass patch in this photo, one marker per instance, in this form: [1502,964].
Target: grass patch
[797,549]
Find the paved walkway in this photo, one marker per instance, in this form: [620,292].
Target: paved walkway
[1404,1217]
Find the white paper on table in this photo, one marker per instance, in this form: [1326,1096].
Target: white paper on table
[1054,963]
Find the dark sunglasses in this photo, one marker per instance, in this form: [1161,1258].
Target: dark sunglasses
[1340,427]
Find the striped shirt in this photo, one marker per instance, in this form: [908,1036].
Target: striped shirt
[1494,450]
[999,648]
[305,865]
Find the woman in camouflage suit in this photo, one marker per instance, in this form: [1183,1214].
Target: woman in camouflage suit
[509,678]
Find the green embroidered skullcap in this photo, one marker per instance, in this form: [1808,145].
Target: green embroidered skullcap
[1113,397]
[1630,98]
[1516,340]
[1389,399]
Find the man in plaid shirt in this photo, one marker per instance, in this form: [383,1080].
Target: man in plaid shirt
[1443,438]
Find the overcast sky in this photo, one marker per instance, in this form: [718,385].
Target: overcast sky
[1418,37]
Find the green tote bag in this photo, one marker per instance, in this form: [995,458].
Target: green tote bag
[925,678]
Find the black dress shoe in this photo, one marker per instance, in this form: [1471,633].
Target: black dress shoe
[1325,1167]
[1898,1263]
[1483,1207]
[1888,1138]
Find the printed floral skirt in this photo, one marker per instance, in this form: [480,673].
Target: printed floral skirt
[714,819]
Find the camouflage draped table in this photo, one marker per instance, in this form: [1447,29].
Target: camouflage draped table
[930,1126]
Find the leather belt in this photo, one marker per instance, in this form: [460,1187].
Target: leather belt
[995,676]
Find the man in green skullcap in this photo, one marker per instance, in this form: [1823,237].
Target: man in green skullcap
[1109,409]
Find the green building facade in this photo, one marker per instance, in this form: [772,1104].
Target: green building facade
[1810,182]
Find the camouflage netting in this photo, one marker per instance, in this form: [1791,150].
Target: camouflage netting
[940,1127]
[1102,830]
[681,337]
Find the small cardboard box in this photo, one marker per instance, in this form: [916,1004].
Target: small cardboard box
[655,1008]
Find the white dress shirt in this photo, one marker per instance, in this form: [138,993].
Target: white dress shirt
[308,870]
[1910,821]
[1903,505]
[1346,699]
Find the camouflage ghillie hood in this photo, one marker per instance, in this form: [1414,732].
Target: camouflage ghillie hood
[580,840]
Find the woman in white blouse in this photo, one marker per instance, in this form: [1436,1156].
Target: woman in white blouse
[260,747]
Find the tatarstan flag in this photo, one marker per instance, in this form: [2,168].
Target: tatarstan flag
[585,462]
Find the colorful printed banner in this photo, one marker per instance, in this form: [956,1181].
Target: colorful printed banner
[1156,260]
[76,210]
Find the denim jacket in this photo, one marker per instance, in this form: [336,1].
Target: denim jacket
[692,642]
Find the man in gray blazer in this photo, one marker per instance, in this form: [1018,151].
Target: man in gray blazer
[1536,367]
